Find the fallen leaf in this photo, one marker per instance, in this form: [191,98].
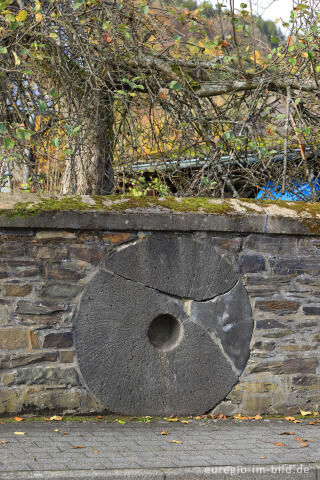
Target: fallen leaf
[106,38]
[279,444]
[55,418]
[257,417]
[95,451]
[290,419]
[299,439]
[184,421]
[122,422]
[99,416]
[78,446]
[197,418]
[172,419]
[65,433]
[305,414]
[18,419]
[297,421]
[220,417]
[19,433]
[262,456]
[303,444]
[286,433]
[176,441]
[56,430]
[3,442]
[316,414]
[315,422]
[164,432]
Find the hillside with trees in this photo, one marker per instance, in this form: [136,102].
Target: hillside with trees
[91,89]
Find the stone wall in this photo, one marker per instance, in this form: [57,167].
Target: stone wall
[49,256]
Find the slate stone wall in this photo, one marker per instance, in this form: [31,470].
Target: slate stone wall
[42,276]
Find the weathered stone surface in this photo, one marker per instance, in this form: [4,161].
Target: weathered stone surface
[228,319]
[12,249]
[39,321]
[252,263]
[5,317]
[177,265]
[55,235]
[270,323]
[56,252]
[16,290]
[41,398]
[14,339]
[41,375]
[27,271]
[60,290]
[14,360]
[133,376]
[58,340]
[88,253]
[311,310]
[290,366]
[292,266]
[66,271]
[268,346]
[67,356]
[306,381]
[280,306]
[38,308]
[124,316]
[118,238]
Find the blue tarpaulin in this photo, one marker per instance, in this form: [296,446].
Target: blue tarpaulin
[299,191]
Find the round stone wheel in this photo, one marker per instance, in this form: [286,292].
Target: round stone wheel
[163,328]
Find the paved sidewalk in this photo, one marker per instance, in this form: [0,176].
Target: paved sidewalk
[210,449]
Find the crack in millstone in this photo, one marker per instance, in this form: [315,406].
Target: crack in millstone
[169,294]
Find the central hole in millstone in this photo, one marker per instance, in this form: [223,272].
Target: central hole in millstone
[164,331]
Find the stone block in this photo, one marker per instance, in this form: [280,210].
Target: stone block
[270,323]
[251,263]
[267,346]
[38,308]
[89,253]
[278,306]
[55,235]
[14,360]
[311,310]
[271,245]
[67,356]
[27,271]
[5,317]
[60,290]
[295,266]
[17,290]
[40,321]
[306,381]
[66,271]
[288,367]
[12,249]
[14,339]
[41,375]
[55,252]
[58,340]
[118,238]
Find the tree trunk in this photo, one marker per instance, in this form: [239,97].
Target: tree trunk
[90,170]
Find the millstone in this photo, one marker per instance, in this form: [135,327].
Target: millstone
[163,328]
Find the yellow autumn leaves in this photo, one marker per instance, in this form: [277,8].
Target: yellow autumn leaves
[23,14]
